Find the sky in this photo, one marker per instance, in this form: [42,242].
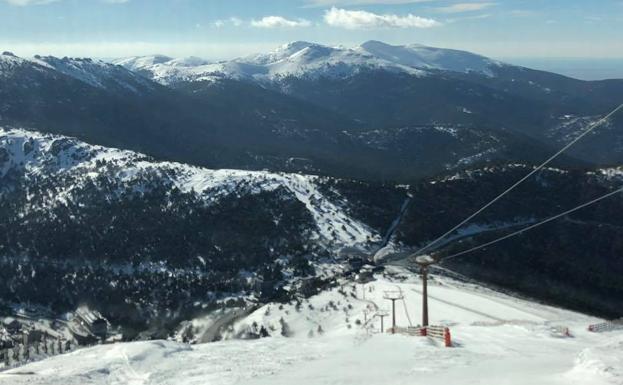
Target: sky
[223,29]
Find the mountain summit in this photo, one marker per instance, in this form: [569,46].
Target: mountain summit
[423,57]
[310,60]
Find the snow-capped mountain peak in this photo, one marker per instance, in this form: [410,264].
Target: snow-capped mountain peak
[190,61]
[424,57]
[135,63]
[9,62]
[297,46]
[312,60]
[97,73]
[167,70]
[289,52]
[304,59]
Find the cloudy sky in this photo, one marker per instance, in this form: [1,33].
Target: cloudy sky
[221,29]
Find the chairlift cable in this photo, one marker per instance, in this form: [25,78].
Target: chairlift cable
[591,128]
[521,231]
[404,304]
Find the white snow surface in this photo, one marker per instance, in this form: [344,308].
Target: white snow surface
[96,73]
[56,156]
[498,339]
[304,59]
[420,56]
[9,63]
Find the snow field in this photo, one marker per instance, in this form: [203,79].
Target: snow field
[498,339]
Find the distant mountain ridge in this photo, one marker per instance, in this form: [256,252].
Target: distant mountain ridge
[384,85]
[95,73]
[305,59]
[376,111]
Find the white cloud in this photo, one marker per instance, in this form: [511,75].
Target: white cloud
[464,7]
[366,20]
[279,22]
[234,21]
[326,3]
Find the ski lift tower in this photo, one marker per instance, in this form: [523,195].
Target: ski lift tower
[382,314]
[424,261]
[393,296]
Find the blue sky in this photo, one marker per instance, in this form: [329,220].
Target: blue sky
[221,29]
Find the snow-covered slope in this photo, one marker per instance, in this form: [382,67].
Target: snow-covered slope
[313,60]
[9,64]
[71,164]
[140,62]
[498,339]
[304,59]
[166,70]
[420,56]
[97,73]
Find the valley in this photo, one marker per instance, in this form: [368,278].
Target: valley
[246,220]
[151,244]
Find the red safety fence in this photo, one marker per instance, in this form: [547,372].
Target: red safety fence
[606,326]
[439,332]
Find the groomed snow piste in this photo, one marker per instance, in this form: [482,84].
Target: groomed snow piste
[497,340]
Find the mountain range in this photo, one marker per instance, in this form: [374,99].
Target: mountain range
[173,236]
[377,111]
[309,60]
[156,188]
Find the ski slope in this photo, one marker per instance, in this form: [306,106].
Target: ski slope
[497,339]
